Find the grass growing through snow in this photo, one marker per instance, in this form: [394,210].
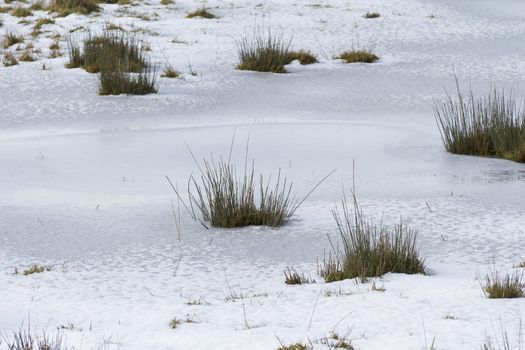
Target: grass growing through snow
[503,343]
[295,346]
[370,15]
[226,198]
[9,59]
[117,81]
[304,57]
[11,38]
[21,12]
[508,286]
[121,61]
[202,13]
[358,56]
[24,339]
[107,50]
[67,7]
[263,52]
[370,250]
[292,277]
[493,126]
[35,268]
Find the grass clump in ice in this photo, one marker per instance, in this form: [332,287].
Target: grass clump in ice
[370,250]
[203,12]
[11,38]
[370,15]
[21,12]
[358,56]
[292,277]
[67,7]
[35,268]
[508,286]
[263,52]
[493,126]
[304,57]
[9,59]
[226,199]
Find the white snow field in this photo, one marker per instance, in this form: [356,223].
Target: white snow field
[82,184]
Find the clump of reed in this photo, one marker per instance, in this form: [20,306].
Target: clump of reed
[263,52]
[224,197]
[491,126]
[370,250]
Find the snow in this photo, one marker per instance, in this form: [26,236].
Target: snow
[82,182]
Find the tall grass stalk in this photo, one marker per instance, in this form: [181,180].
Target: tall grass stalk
[492,126]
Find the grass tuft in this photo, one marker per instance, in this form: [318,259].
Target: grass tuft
[201,13]
[27,56]
[227,200]
[116,81]
[23,339]
[174,323]
[11,38]
[295,346]
[21,12]
[263,52]
[67,7]
[37,28]
[370,250]
[508,286]
[170,72]
[493,126]
[108,50]
[9,59]
[292,277]
[36,268]
[370,15]
[358,56]
[304,57]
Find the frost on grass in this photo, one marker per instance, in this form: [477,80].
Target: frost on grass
[492,126]
[370,250]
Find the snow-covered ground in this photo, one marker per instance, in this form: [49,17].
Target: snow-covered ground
[82,182]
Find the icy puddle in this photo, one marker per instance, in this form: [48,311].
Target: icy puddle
[98,209]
